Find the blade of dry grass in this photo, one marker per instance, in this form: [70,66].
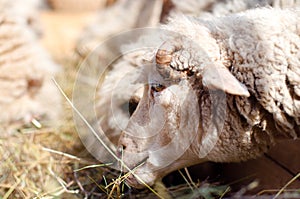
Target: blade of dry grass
[286,185]
[93,166]
[189,177]
[63,184]
[225,192]
[268,191]
[162,190]
[36,123]
[12,188]
[99,186]
[186,180]
[61,153]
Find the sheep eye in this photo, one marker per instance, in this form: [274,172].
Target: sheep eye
[157,87]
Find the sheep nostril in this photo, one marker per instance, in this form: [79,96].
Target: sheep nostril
[120,150]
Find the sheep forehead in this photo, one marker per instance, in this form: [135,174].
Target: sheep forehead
[155,78]
[175,96]
[191,48]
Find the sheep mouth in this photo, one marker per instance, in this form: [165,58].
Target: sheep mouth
[132,181]
[139,178]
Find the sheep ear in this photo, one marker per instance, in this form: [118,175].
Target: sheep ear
[219,77]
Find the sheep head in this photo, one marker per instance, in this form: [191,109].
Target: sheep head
[172,126]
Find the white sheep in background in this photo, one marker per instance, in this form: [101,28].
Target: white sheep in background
[253,57]
[26,11]
[26,89]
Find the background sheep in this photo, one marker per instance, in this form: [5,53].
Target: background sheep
[26,11]
[259,48]
[27,91]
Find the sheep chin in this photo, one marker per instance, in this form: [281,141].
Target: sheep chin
[148,178]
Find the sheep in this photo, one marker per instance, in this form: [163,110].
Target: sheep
[224,91]
[115,19]
[95,34]
[222,8]
[27,12]
[210,8]
[111,119]
[27,91]
[216,7]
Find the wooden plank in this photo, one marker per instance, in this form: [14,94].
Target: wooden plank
[269,175]
[287,153]
[272,171]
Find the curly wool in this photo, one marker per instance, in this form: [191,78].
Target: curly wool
[26,88]
[259,47]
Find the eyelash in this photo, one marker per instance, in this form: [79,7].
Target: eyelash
[157,87]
